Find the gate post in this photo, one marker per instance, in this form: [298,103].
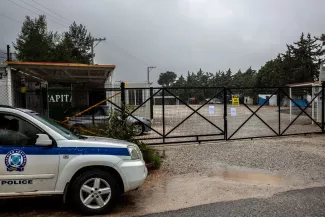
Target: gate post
[279,110]
[123,99]
[163,113]
[323,103]
[225,122]
[151,103]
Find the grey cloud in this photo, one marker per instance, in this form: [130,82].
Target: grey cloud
[182,35]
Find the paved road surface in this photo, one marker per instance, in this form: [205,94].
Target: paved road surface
[306,202]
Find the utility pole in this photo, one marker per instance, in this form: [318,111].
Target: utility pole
[149,68]
[93,45]
[9,55]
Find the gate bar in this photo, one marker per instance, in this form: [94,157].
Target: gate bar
[194,111]
[185,136]
[135,117]
[225,121]
[323,103]
[254,113]
[144,101]
[302,111]
[279,108]
[163,113]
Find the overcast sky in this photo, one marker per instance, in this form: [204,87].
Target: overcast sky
[177,35]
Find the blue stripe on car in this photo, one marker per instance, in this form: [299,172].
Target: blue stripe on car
[67,150]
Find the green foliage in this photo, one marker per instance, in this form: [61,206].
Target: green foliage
[36,43]
[75,45]
[167,78]
[118,129]
[300,63]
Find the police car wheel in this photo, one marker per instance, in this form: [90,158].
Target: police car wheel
[94,192]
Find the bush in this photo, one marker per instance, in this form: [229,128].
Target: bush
[117,129]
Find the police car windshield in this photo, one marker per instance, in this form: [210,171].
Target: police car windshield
[55,126]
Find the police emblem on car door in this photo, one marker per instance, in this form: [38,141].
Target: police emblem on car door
[15,160]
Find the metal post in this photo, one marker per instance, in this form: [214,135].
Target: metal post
[149,68]
[163,113]
[290,102]
[93,46]
[47,100]
[279,108]
[225,122]
[151,103]
[313,105]
[92,52]
[323,103]
[8,53]
[9,88]
[123,99]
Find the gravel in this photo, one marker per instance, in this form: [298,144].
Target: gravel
[300,159]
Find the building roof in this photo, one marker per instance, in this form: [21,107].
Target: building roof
[302,84]
[64,72]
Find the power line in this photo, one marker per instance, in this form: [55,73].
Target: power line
[12,19]
[51,11]
[44,12]
[36,13]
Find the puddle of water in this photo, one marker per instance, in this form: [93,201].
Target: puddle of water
[249,176]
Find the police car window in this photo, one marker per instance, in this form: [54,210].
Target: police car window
[16,132]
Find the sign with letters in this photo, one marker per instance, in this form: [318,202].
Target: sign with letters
[211,109]
[233,112]
[235,100]
[59,98]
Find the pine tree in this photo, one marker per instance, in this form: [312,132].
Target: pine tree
[35,42]
[306,56]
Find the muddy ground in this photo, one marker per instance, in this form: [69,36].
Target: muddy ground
[201,174]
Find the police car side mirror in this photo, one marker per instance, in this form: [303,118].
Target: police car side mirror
[43,140]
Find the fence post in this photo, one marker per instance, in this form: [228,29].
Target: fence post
[279,108]
[151,103]
[323,103]
[163,113]
[123,99]
[225,122]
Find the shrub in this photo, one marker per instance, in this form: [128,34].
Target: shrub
[116,128]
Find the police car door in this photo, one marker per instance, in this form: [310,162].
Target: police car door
[24,167]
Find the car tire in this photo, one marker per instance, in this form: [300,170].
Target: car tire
[94,192]
[138,129]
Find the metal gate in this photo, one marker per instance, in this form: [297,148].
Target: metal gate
[199,114]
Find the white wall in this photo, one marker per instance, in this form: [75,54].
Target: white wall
[144,111]
[3,88]
[273,100]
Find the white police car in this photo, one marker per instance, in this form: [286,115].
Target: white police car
[39,157]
